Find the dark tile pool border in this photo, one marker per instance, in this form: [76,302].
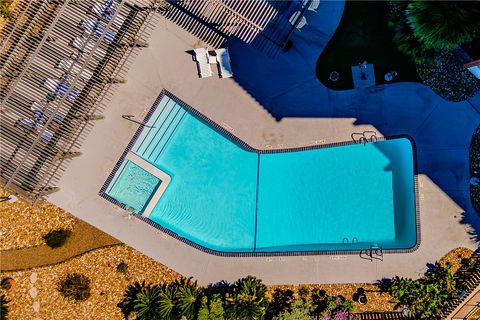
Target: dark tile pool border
[242,143]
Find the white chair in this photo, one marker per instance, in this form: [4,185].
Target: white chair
[51,84]
[61,87]
[202,59]
[298,20]
[74,68]
[313,5]
[223,62]
[107,13]
[86,46]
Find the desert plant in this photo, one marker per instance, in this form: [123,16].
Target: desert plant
[281,301]
[248,299]
[75,286]
[444,24]
[57,238]
[4,307]
[189,297]
[213,309]
[127,305]
[168,304]
[7,283]
[5,9]
[299,310]
[122,267]
[147,302]
[427,296]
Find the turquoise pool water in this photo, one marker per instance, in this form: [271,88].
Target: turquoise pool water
[227,198]
[135,195]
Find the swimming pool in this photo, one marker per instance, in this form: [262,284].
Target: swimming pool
[225,196]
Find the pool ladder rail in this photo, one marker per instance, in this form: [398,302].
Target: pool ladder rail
[130,117]
[365,137]
[374,253]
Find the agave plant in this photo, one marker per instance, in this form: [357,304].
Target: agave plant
[148,302]
[189,297]
[4,307]
[211,310]
[248,299]
[168,305]
[444,24]
[127,305]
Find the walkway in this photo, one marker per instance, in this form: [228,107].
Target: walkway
[288,87]
[84,238]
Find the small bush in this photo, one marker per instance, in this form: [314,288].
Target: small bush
[5,10]
[122,267]
[57,238]
[75,286]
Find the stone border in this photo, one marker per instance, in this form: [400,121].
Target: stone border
[247,147]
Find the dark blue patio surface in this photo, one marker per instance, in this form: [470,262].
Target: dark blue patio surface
[287,86]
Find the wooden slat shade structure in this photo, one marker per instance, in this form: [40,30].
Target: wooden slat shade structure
[214,21]
[45,109]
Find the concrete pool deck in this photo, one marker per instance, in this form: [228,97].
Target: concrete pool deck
[165,64]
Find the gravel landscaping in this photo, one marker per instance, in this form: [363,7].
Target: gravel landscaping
[24,226]
[107,285]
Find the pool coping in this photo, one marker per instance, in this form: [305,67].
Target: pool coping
[156,172]
[243,144]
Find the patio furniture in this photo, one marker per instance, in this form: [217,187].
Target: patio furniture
[61,87]
[202,59]
[312,6]
[223,63]
[363,75]
[298,20]
[97,29]
[32,127]
[107,13]
[86,45]
[334,76]
[68,65]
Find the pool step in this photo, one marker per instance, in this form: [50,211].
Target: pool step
[153,140]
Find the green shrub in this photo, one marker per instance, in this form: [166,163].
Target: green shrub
[4,307]
[122,267]
[444,24]
[75,286]
[248,300]
[5,9]
[427,296]
[280,302]
[57,238]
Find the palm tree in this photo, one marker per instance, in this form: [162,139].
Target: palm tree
[408,44]
[248,299]
[444,24]
[189,297]
[147,302]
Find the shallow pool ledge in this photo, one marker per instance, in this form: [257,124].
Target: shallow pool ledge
[162,176]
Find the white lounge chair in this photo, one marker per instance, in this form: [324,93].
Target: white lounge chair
[86,46]
[74,68]
[61,87]
[97,29]
[223,62]
[202,59]
[107,13]
[312,6]
[298,20]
